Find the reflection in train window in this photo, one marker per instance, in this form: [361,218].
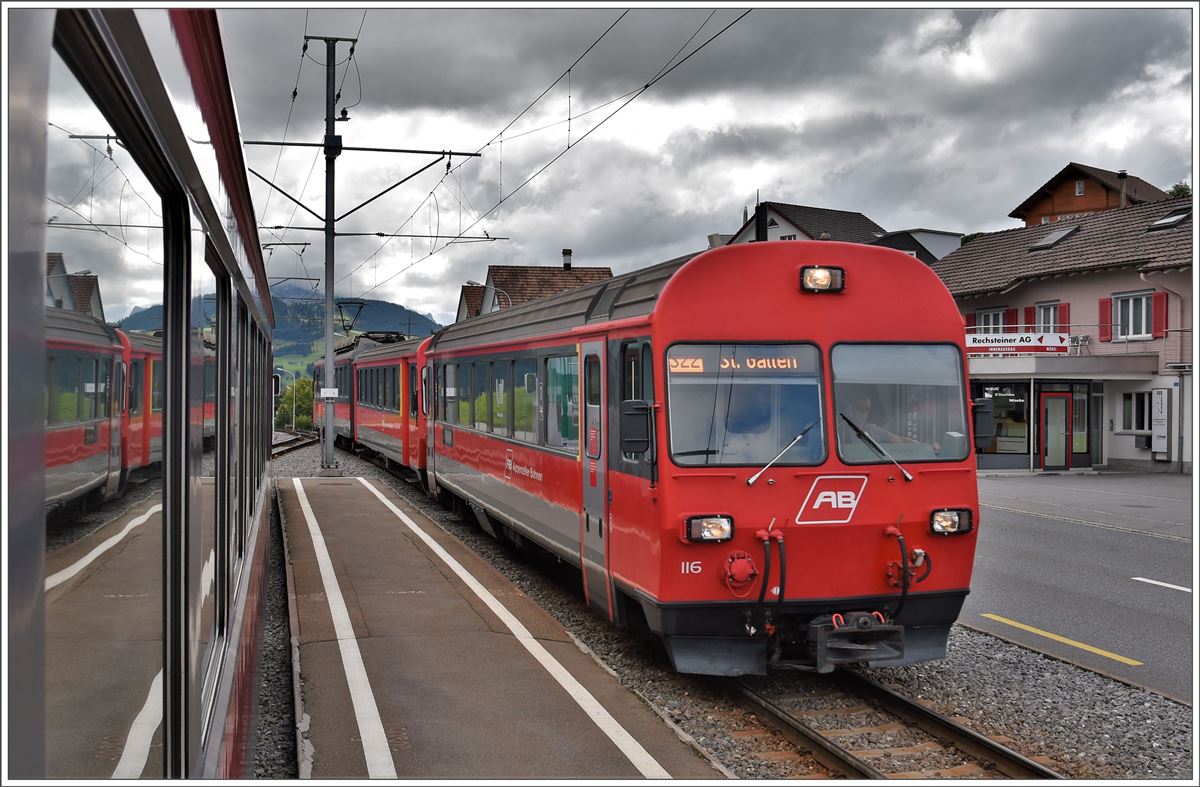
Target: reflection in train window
[104,569]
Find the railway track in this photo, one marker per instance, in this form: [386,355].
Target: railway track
[861,730]
[297,441]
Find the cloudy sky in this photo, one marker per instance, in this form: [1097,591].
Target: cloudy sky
[936,118]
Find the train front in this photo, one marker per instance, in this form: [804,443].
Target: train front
[817,492]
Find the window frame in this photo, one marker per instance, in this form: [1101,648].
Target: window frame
[1130,421]
[1147,297]
[1040,322]
[989,321]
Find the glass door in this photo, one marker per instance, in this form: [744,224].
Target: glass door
[1056,431]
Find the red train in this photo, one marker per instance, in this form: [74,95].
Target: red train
[761,449]
[104,405]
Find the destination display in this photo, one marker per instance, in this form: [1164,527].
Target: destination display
[695,365]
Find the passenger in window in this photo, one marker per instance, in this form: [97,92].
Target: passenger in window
[861,413]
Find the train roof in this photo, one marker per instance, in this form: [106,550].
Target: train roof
[67,325]
[393,350]
[357,345]
[628,295]
[147,341]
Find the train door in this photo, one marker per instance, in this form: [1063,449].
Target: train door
[1055,440]
[595,478]
[112,376]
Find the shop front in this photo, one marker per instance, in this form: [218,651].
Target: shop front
[1050,412]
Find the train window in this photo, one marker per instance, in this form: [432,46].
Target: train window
[479,397]
[741,404]
[157,381]
[104,275]
[500,397]
[450,388]
[425,389]
[89,388]
[634,367]
[412,390]
[135,387]
[591,391]
[562,402]
[64,371]
[525,400]
[909,398]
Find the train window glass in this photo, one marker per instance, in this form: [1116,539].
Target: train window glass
[89,388]
[741,404]
[103,374]
[157,385]
[103,287]
[201,520]
[135,387]
[591,385]
[479,396]
[562,402]
[425,389]
[449,396]
[64,373]
[500,397]
[412,390]
[909,398]
[524,388]
[633,371]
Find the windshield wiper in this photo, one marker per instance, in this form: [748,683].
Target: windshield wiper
[871,442]
[750,481]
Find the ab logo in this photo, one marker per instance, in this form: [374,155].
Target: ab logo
[831,500]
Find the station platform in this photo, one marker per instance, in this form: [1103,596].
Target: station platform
[417,660]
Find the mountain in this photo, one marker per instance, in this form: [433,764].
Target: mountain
[299,321]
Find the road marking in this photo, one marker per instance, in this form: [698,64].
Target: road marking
[1093,524]
[1064,640]
[1101,492]
[641,759]
[54,580]
[366,713]
[141,733]
[1164,584]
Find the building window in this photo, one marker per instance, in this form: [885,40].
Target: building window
[787,237]
[1131,316]
[1045,219]
[1047,318]
[1135,411]
[1009,413]
[1079,188]
[989,321]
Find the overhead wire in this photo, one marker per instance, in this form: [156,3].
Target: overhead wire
[662,74]
[498,135]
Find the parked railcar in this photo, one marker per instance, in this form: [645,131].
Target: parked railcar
[84,366]
[388,417]
[133,643]
[344,413]
[762,449]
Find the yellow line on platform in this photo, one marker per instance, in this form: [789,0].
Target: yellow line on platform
[1057,638]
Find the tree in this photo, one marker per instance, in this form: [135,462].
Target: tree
[1180,189]
[303,391]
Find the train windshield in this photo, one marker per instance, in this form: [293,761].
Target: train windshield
[741,404]
[908,398]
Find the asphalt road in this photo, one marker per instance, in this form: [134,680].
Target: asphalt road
[1070,556]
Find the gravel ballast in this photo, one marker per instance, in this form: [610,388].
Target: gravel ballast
[1082,724]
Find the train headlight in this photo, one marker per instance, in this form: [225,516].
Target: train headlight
[820,278]
[709,528]
[950,521]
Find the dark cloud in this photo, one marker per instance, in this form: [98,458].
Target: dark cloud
[943,118]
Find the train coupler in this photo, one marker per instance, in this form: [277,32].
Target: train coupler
[854,638]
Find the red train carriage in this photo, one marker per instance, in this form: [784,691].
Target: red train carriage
[141,444]
[343,411]
[84,365]
[763,448]
[388,409]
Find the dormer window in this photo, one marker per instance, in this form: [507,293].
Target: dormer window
[1079,188]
